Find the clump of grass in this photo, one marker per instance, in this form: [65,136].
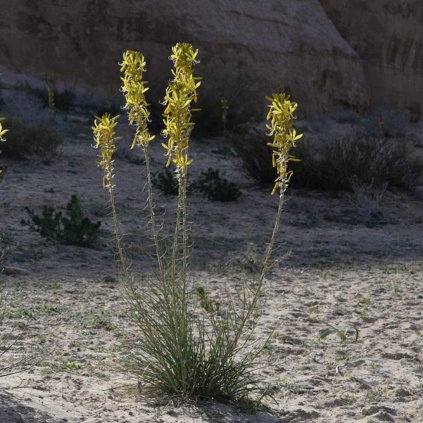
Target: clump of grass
[74,229]
[188,344]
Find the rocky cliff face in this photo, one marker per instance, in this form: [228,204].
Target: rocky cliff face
[388,37]
[330,54]
[249,48]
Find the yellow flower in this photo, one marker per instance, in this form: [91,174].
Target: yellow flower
[281,116]
[2,132]
[104,138]
[180,93]
[134,88]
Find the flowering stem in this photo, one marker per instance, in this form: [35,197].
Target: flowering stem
[118,236]
[184,228]
[151,210]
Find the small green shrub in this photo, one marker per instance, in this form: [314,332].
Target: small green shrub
[75,229]
[166,182]
[209,183]
[215,188]
[64,99]
[332,164]
[255,155]
[28,140]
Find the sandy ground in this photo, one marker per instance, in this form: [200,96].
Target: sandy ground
[340,262]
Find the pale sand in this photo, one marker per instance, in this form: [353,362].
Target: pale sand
[330,265]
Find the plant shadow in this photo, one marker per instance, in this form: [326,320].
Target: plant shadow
[12,411]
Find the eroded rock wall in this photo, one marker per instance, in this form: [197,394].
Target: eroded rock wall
[249,48]
[388,36]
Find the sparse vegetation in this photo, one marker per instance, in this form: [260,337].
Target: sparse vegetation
[166,182]
[215,188]
[373,161]
[53,98]
[74,229]
[29,140]
[209,184]
[255,156]
[185,347]
[336,164]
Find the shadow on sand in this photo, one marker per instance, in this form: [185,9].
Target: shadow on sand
[12,411]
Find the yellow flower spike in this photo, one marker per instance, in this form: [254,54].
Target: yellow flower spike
[134,88]
[104,139]
[2,132]
[180,94]
[281,116]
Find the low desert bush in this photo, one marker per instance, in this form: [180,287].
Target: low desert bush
[74,229]
[373,161]
[209,184]
[215,188]
[166,182]
[255,156]
[32,140]
[33,130]
[188,344]
[331,164]
[53,98]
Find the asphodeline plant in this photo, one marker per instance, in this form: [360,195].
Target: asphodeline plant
[104,131]
[180,93]
[134,88]
[187,344]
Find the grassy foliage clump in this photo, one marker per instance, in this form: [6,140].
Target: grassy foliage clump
[188,344]
[74,229]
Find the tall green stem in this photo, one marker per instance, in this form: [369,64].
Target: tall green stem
[124,266]
[151,209]
[265,266]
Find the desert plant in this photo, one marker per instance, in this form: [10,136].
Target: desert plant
[215,188]
[28,140]
[2,139]
[166,182]
[75,229]
[189,345]
[255,156]
[373,161]
[332,164]
[53,98]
